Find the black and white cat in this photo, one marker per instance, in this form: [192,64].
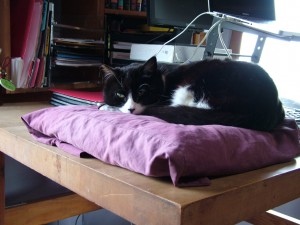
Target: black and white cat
[207,92]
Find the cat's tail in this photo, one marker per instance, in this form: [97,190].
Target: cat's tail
[198,116]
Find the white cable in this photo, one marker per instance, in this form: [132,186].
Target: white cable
[208,5]
[218,23]
[204,38]
[205,13]
[222,40]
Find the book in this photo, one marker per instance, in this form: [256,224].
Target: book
[107,3]
[139,5]
[35,69]
[44,76]
[121,50]
[114,4]
[122,45]
[77,52]
[39,51]
[41,72]
[43,49]
[76,97]
[144,5]
[120,4]
[126,4]
[133,5]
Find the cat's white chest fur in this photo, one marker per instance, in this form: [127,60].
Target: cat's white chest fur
[183,96]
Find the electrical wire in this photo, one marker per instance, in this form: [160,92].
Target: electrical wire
[204,38]
[222,40]
[218,23]
[172,39]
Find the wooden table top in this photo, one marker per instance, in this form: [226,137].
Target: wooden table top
[144,200]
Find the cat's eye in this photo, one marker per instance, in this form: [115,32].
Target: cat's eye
[120,95]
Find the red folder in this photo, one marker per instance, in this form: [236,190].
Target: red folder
[94,96]
[26,18]
[20,16]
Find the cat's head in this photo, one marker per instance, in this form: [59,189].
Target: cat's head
[134,87]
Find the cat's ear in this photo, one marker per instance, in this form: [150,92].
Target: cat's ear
[106,71]
[151,65]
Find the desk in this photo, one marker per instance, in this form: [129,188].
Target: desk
[143,200]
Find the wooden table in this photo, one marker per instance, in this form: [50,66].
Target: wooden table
[143,200]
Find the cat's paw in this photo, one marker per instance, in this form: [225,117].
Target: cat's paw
[109,108]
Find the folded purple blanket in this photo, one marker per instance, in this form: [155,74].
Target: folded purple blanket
[190,155]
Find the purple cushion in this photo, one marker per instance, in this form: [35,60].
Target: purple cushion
[190,155]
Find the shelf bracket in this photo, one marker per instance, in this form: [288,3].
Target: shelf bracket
[258,49]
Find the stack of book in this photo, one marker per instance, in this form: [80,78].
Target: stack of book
[77,52]
[75,97]
[133,5]
[121,50]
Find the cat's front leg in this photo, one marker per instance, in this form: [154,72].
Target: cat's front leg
[105,107]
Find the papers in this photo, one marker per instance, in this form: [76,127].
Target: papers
[75,63]
[121,50]
[16,72]
[77,52]
[76,41]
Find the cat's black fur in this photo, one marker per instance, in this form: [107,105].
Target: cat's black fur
[229,93]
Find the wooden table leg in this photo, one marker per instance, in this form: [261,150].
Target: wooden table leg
[2,189]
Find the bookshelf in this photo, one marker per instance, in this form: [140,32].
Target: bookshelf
[125,27]
[93,16]
[72,12]
[122,21]
[76,56]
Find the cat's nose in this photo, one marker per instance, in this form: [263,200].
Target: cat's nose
[131,110]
